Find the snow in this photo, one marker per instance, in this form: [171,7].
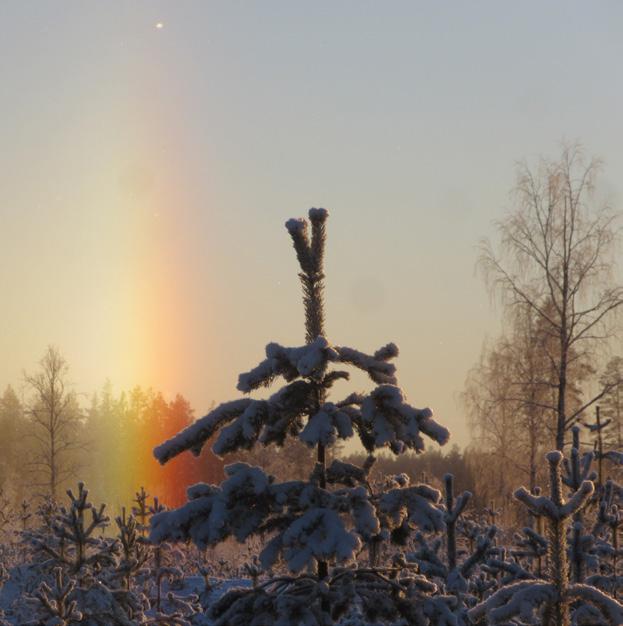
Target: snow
[376,366]
[307,360]
[318,534]
[325,426]
[415,505]
[194,436]
[318,215]
[296,225]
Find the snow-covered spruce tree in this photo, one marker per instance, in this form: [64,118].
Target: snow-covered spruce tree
[527,557]
[548,602]
[141,510]
[68,537]
[164,561]
[41,531]
[452,573]
[53,605]
[531,546]
[134,550]
[578,470]
[606,541]
[313,525]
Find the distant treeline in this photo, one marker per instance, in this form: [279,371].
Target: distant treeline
[50,440]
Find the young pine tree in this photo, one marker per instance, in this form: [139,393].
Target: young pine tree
[549,602]
[316,527]
[68,537]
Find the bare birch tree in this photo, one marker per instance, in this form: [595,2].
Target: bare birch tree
[502,395]
[555,258]
[55,423]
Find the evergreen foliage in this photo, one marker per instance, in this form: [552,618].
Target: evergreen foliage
[309,525]
[549,601]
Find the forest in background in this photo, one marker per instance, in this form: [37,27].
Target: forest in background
[108,441]
[51,440]
[554,270]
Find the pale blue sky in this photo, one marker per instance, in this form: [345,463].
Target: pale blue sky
[146,174]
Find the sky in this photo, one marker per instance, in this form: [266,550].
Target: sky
[152,151]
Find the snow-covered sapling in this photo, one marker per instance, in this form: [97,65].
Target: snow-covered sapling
[141,510]
[606,546]
[134,550]
[454,508]
[548,602]
[531,545]
[577,470]
[453,573]
[75,545]
[164,559]
[24,514]
[55,606]
[310,523]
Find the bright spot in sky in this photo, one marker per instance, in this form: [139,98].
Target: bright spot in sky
[159,25]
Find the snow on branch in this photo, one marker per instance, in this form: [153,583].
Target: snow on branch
[326,425]
[194,436]
[541,505]
[311,359]
[309,523]
[521,599]
[607,605]
[377,367]
[577,501]
[614,456]
[318,534]
[382,418]
[267,421]
[297,227]
[389,420]
[307,360]
[415,506]
[244,430]
[348,474]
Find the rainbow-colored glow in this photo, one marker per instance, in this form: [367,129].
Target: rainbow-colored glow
[141,328]
[125,429]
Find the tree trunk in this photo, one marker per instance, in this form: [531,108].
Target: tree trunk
[561,405]
[557,550]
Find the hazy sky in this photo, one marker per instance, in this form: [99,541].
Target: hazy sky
[146,173]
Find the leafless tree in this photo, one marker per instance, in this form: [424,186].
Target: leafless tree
[612,402]
[492,414]
[502,395]
[556,258]
[55,423]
